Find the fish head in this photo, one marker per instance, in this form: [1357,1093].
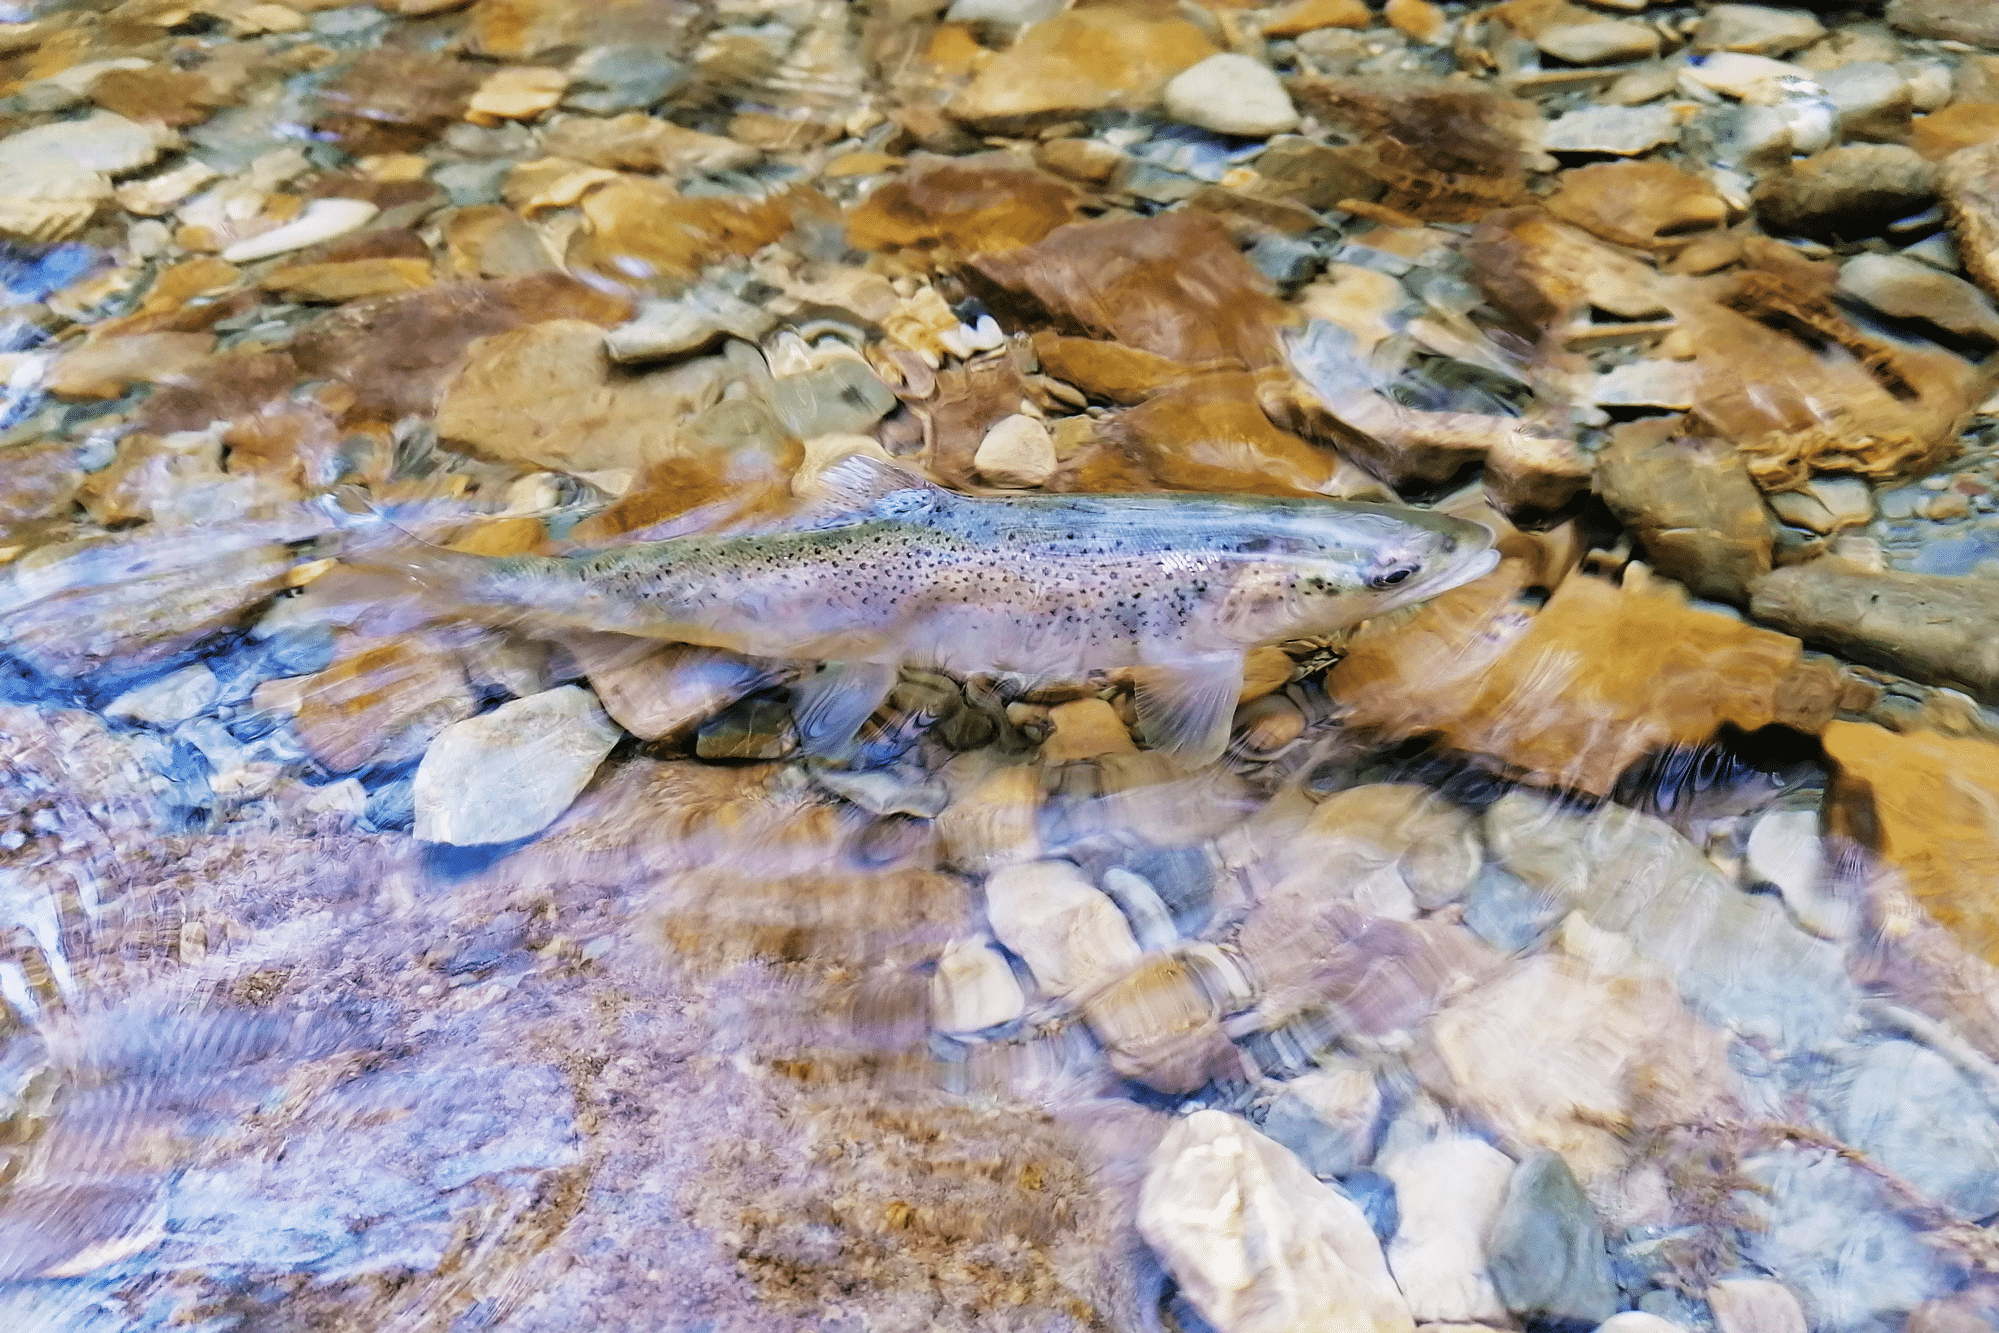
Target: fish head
[1340,563]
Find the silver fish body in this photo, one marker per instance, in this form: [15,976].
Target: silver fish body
[899,571]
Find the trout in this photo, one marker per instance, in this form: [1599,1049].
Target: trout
[891,569]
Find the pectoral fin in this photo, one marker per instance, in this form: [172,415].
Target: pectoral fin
[829,706]
[1187,706]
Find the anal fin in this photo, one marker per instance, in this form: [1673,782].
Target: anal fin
[829,706]
[1186,707]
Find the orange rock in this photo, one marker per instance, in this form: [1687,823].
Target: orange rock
[1088,160]
[336,282]
[638,142]
[1941,133]
[524,29]
[1571,696]
[106,367]
[962,206]
[646,233]
[1648,204]
[1935,807]
[520,93]
[770,132]
[1206,433]
[1309,15]
[954,51]
[382,704]
[1079,61]
[502,536]
[1417,19]
[1109,370]
[1174,285]
[298,444]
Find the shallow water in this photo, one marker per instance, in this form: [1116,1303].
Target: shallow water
[1607,941]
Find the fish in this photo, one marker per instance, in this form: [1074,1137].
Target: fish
[889,569]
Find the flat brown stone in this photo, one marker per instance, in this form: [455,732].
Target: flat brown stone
[645,233]
[395,353]
[1573,695]
[349,280]
[395,100]
[1206,433]
[1080,61]
[1173,285]
[950,207]
[1110,370]
[1690,503]
[1648,204]
[638,142]
[106,367]
[1959,125]
[1969,183]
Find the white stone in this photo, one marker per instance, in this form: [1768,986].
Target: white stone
[1826,504]
[1619,130]
[1785,849]
[1070,933]
[1345,1100]
[973,988]
[1931,85]
[1016,12]
[1017,452]
[1637,1321]
[1231,94]
[322,220]
[1749,78]
[156,194]
[697,318]
[1258,1244]
[507,774]
[1447,1193]
[174,697]
[1757,29]
[1871,99]
[1428,843]
[103,142]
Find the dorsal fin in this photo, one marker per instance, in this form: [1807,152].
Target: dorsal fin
[856,486]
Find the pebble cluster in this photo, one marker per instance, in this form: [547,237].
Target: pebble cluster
[1608,944]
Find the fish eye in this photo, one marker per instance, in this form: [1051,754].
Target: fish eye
[1389,578]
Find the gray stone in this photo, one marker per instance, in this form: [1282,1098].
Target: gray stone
[605,80]
[1846,193]
[507,775]
[1620,130]
[1504,912]
[1151,924]
[1902,288]
[885,792]
[842,397]
[1327,1117]
[172,698]
[1546,1250]
[1914,1112]
[1872,100]
[1737,958]
[1757,29]
[469,183]
[1785,851]
[1825,1230]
